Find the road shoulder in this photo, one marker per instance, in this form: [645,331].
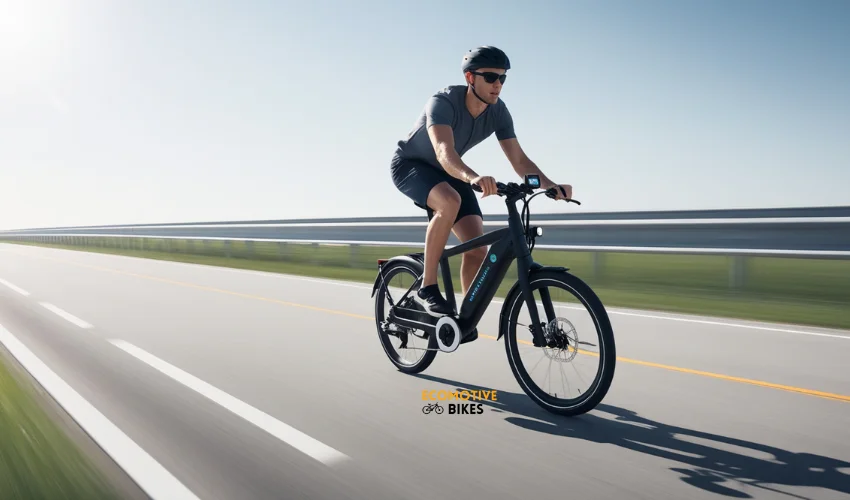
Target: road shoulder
[93,472]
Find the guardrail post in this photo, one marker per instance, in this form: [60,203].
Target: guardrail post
[282,249]
[597,261]
[250,248]
[227,248]
[737,271]
[315,253]
[353,254]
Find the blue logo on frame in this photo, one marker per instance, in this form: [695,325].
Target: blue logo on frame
[492,257]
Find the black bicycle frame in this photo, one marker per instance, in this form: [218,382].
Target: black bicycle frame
[508,244]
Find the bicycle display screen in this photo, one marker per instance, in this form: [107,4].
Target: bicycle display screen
[532,181]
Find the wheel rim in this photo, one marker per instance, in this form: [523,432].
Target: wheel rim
[580,353]
[399,279]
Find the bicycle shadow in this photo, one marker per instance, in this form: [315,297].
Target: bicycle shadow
[704,466]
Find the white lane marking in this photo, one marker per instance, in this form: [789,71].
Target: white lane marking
[276,428]
[736,325]
[152,477]
[15,288]
[268,274]
[65,315]
[459,298]
[707,322]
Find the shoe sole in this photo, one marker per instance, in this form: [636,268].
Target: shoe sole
[428,311]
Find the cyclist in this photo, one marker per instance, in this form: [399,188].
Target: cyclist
[427,165]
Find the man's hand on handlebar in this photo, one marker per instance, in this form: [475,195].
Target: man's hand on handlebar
[561,192]
[487,185]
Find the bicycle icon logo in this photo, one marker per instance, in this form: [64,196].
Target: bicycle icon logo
[435,407]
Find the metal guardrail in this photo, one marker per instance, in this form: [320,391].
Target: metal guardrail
[819,233]
[74,238]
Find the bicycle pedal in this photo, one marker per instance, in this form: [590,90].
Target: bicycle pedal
[471,336]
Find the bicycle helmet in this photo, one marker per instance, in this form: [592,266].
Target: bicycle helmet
[485,57]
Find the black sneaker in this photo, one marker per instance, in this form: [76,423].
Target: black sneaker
[432,300]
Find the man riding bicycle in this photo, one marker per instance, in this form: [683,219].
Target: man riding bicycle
[427,165]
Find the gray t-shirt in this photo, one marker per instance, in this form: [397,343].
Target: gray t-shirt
[448,107]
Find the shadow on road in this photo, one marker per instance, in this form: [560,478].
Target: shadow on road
[705,462]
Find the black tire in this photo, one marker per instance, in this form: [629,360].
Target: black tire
[389,272]
[608,355]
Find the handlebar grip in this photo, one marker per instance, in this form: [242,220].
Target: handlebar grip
[499,187]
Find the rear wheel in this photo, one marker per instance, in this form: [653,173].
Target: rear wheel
[579,339]
[411,351]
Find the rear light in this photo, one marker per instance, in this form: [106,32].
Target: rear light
[381,262]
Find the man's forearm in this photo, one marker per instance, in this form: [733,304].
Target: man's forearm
[453,164]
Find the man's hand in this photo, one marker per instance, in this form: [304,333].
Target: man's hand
[486,183]
[562,191]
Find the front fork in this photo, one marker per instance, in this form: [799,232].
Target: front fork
[524,265]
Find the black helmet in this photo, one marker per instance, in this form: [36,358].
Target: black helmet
[485,57]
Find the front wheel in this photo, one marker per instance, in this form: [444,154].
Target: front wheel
[579,340]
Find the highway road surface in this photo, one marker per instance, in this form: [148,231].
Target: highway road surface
[213,383]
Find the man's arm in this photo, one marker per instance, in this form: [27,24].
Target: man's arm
[522,163]
[444,145]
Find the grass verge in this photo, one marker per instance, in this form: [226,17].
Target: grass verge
[787,290]
[37,458]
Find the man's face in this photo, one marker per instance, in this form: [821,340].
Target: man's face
[488,91]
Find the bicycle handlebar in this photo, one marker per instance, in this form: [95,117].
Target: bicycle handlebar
[512,188]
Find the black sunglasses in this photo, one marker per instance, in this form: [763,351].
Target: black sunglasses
[491,77]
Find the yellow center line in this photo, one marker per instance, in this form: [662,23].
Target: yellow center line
[209,288]
[828,395]
[799,390]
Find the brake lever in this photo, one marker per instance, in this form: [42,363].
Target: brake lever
[551,194]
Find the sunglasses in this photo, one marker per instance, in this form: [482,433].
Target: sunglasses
[491,77]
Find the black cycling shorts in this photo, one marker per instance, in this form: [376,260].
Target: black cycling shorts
[416,179]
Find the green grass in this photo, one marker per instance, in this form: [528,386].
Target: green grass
[803,291]
[37,459]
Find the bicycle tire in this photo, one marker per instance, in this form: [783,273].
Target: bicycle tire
[608,356]
[389,272]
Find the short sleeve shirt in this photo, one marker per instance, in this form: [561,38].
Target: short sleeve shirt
[448,107]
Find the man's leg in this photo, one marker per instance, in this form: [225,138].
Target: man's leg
[444,201]
[469,227]
[470,224]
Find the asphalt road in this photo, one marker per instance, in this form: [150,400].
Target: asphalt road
[294,397]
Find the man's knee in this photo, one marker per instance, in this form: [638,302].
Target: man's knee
[444,200]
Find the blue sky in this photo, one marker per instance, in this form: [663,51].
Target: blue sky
[161,111]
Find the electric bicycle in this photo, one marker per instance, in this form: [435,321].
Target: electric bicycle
[406,320]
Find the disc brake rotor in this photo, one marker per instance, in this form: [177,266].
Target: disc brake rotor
[561,339]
